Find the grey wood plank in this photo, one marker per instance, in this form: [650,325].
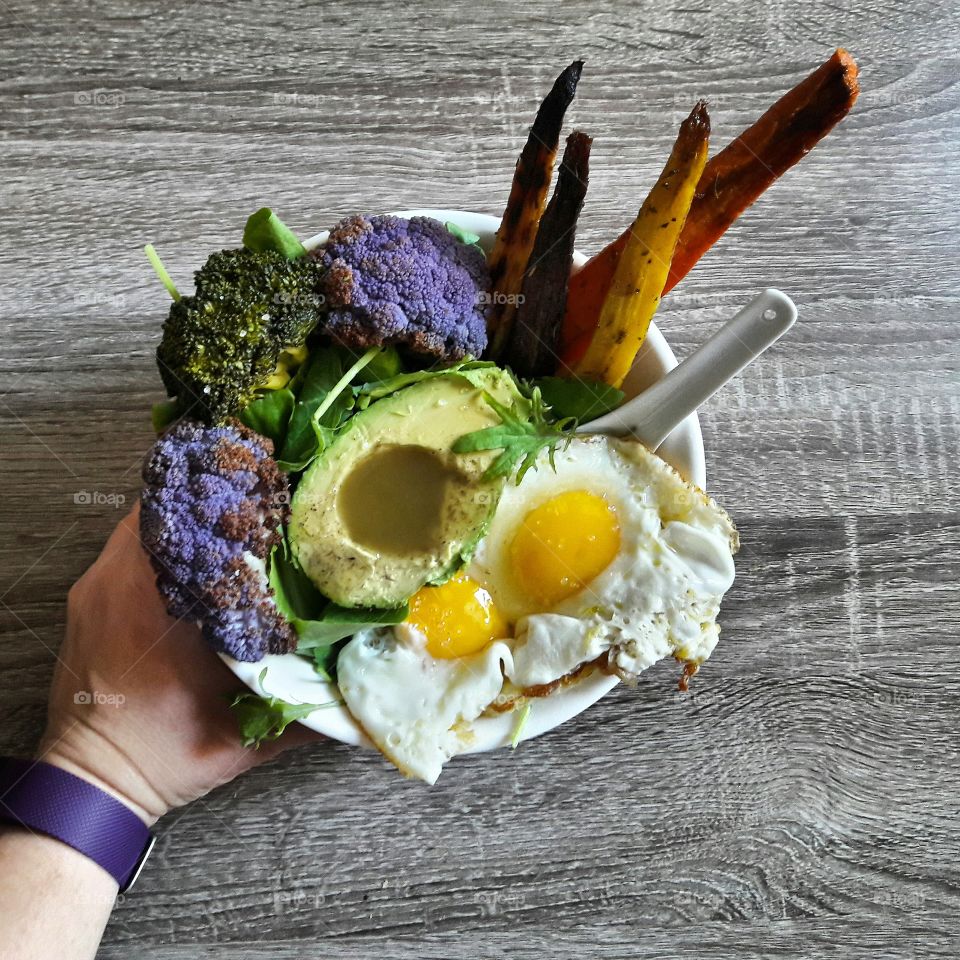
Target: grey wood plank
[812,808]
[889,940]
[801,800]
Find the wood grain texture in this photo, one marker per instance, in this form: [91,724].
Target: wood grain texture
[802,799]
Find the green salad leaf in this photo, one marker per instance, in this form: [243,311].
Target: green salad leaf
[320,623]
[375,390]
[338,623]
[583,399]
[520,725]
[383,366]
[524,430]
[164,413]
[324,661]
[266,231]
[343,387]
[263,718]
[161,271]
[464,236]
[294,594]
[330,386]
[270,415]
[324,399]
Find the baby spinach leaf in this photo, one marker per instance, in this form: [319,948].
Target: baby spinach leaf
[164,413]
[294,594]
[323,372]
[383,366]
[324,401]
[584,399]
[266,231]
[270,414]
[324,661]
[339,622]
[318,621]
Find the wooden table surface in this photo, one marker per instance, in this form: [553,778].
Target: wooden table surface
[803,798]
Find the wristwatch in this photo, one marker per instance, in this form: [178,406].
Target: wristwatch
[44,798]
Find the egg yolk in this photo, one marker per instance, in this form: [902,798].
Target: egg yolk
[563,544]
[457,618]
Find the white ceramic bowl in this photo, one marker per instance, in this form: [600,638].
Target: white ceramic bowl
[292,678]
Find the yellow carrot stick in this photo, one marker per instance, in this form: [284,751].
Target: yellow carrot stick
[638,282]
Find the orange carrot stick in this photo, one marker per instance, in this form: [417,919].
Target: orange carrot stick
[731,182]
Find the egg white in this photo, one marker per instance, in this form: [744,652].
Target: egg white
[415,708]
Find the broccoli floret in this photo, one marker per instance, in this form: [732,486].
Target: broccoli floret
[223,342]
[410,282]
[212,504]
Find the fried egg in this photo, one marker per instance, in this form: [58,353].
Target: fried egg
[611,551]
[608,556]
[417,708]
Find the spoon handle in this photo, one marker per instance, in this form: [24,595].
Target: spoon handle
[654,413]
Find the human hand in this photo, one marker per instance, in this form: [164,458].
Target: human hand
[139,702]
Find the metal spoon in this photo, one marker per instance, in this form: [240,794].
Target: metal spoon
[651,415]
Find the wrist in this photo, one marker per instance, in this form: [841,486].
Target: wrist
[46,800]
[56,901]
[58,859]
[101,763]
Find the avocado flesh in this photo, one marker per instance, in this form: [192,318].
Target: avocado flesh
[387,507]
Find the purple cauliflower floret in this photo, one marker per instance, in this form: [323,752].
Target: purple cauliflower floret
[212,504]
[411,283]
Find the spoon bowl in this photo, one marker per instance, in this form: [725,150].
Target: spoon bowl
[650,416]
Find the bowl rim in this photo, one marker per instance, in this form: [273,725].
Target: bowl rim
[291,678]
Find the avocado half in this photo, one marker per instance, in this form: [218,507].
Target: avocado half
[387,507]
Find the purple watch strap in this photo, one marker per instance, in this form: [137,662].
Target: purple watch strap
[45,798]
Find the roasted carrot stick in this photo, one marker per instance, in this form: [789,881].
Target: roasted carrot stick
[731,182]
[528,192]
[642,269]
[531,349]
